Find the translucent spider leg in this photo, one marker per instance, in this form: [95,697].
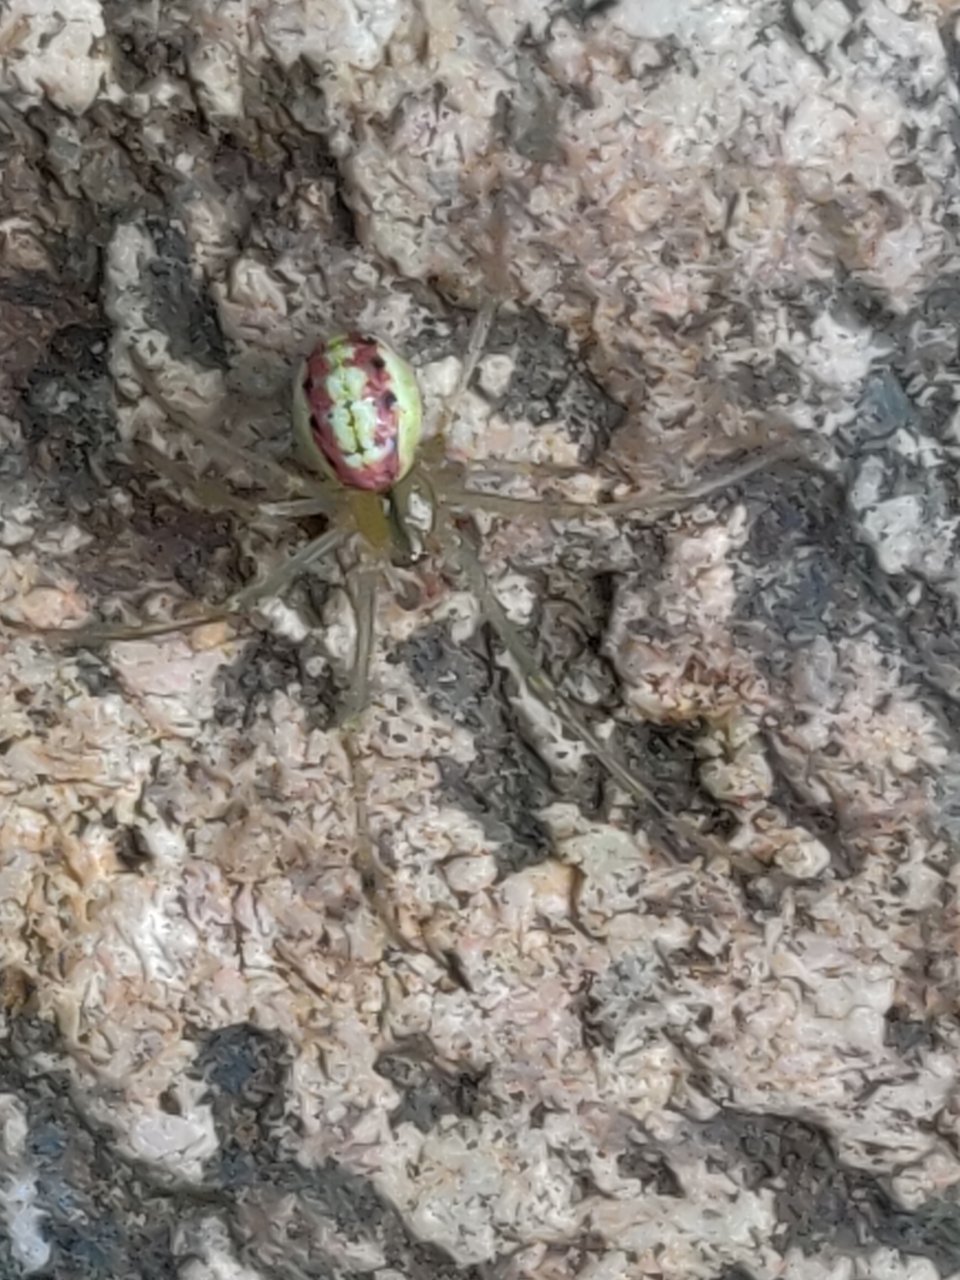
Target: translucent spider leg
[651,505]
[434,448]
[272,585]
[211,495]
[476,344]
[464,558]
[285,573]
[371,873]
[297,508]
[375,879]
[257,466]
[363,597]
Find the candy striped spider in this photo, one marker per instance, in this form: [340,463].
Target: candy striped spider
[389,498]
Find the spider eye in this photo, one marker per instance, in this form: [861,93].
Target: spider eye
[357,413]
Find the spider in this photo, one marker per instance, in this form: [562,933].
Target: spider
[393,499]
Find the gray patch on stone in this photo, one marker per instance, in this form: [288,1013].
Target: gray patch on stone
[108,1216]
[144,45]
[270,663]
[104,1217]
[179,304]
[94,675]
[571,618]
[507,782]
[248,1074]
[911,1038]
[66,408]
[628,989]
[822,1201]
[646,1163]
[805,573]
[552,384]
[195,549]
[665,758]
[429,1090]
[760,386]
[883,407]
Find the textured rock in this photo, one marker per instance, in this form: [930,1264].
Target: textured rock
[434,998]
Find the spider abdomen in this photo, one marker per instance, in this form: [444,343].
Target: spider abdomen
[357,412]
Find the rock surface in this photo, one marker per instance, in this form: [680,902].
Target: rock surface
[549,1043]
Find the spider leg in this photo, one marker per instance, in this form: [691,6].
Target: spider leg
[433,450]
[222,449]
[276,583]
[507,467]
[363,596]
[96,634]
[464,558]
[295,508]
[272,585]
[210,493]
[375,879]
[502,504]
[652,505]
[494,259]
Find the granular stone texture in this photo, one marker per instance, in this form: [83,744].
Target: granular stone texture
[433,994]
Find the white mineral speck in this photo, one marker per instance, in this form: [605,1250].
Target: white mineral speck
[471,875]
[495,373]
[801,855]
